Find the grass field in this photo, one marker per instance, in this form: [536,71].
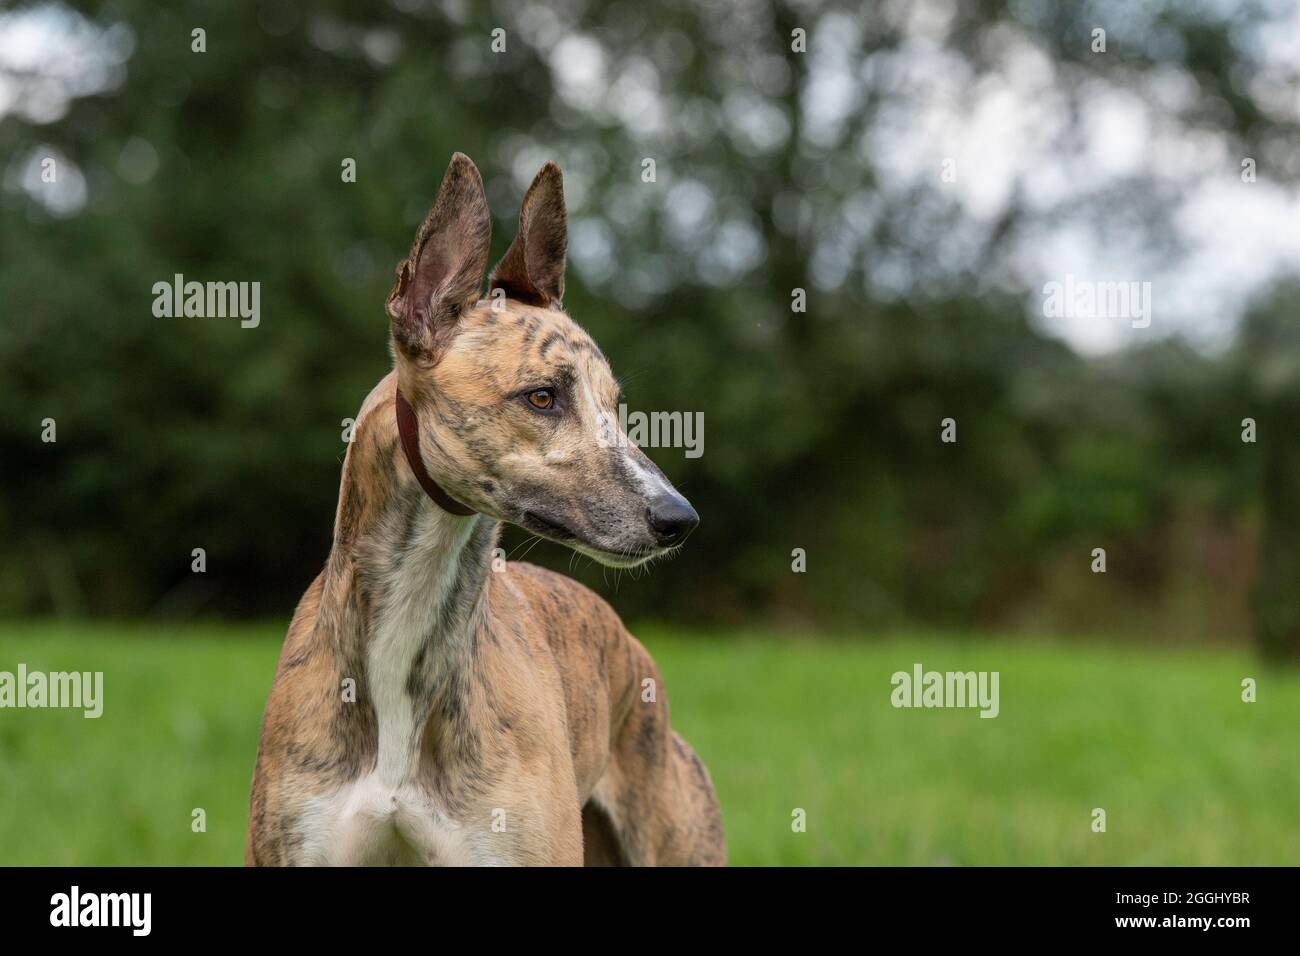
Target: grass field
[1186,772]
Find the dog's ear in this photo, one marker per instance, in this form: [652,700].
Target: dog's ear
[443,275]
[532,270]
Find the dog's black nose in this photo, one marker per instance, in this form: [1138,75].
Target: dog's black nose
[671,519]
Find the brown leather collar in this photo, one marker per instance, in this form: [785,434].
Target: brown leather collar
[409,430]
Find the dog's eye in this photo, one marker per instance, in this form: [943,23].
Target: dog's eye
[542,398]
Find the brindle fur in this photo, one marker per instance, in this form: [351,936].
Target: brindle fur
[498,716]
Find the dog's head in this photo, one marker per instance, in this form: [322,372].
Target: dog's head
[517,407]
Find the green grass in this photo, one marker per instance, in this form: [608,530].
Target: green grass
[1186,772]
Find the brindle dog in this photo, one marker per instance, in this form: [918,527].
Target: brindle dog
[429,709]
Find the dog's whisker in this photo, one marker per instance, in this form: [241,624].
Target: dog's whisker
[529,541]
[532,544]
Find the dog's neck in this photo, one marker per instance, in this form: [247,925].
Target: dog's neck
[406,585]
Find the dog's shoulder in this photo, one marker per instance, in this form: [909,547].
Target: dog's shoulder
[579,626]
[599,663]
[563,600]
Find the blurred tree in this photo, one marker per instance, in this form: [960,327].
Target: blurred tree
[771,177]
[1267,362]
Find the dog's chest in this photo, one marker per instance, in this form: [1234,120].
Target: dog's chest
[391,815]
[369,823]
[388,816]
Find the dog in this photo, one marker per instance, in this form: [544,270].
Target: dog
[434,705]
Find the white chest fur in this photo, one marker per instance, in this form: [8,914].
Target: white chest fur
[367,823]
[386,817]
[407,622]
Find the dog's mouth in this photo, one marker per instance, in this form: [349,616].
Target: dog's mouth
[618,559]
[554,530]
[547,527]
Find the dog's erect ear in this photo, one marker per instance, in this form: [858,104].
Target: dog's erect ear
[532,270]
[443,275]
